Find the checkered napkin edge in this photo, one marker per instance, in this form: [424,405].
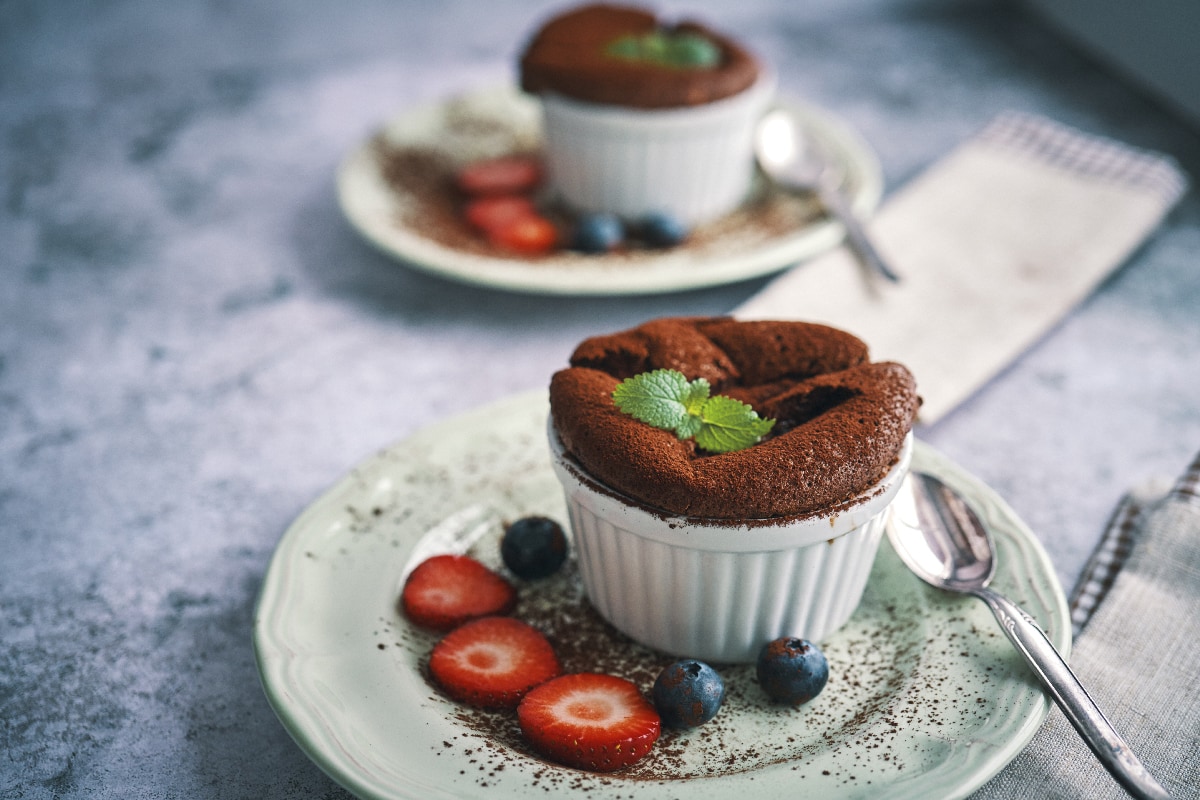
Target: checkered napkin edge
[1117,541]
[1095,156]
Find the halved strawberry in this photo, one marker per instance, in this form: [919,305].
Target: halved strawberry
[590,721]
[445,591]
[531,235]
[492,662]
[511,174]
[495,211]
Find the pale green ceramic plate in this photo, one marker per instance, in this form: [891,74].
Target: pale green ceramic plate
[926,696]
[386,200]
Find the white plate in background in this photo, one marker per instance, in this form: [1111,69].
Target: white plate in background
[770,232]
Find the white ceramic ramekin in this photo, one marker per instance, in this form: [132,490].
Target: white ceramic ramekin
[695,163]
[717,590]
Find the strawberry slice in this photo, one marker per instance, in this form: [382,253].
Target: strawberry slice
[497,211]
[445,591]
[590,721]
[512,174]
[530,235]
[492,662]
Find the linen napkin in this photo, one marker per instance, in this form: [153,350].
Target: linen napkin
[1137,653]
[995,243]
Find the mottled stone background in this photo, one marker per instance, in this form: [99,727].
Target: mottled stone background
[194,344]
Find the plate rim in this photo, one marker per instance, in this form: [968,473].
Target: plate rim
[270,664]
[603,278]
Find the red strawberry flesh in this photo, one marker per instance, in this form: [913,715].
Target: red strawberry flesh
[529,235]
[445,591]
[511,174]
[590,721]
[492,662]
[497,211]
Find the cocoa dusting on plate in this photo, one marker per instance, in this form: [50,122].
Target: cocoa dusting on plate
[421,177]
[877,678]
[424,177]
[914,674]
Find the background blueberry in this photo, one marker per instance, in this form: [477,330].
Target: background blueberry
[597,233]
[533,547]
[792,670]
[688,693]
[660,229]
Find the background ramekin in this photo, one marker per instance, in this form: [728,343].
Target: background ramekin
[717,590]
[696,163]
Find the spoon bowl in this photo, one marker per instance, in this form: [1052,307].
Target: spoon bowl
[954,550]
[795,163]
[940,538]
[789,157]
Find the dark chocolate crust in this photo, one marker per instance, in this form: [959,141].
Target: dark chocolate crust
[567,56]
[840,419]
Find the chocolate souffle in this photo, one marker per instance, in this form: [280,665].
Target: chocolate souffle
[568,56]
[840,419]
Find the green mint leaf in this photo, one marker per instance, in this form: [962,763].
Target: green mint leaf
[693,50]
[627,47]
[666,399]
[730,425]
[660,398]
[666,48]
[697,394]
[690,426]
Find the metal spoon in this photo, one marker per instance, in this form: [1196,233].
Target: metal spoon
[794,163]
[940,538]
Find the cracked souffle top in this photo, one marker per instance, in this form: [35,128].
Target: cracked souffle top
[625,56]
[840,420]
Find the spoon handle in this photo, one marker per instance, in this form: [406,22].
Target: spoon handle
[835,203]
[1072,698]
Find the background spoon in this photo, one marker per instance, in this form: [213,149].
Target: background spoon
[941,539]
[793,162]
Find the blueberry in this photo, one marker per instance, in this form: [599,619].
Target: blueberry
[792,670]
[687,694]
[533,547]
[597,233]
[661,229]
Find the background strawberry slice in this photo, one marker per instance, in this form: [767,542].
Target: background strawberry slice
[512,174]
[530,235]
[590,721]
[445,591]
[496,211]
[492,662]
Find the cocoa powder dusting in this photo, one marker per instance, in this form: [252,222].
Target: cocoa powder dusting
[427,203]
[842,419]
[425,177]
[874,694]
[912,674]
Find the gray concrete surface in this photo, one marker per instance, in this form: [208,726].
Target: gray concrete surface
[194,343]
